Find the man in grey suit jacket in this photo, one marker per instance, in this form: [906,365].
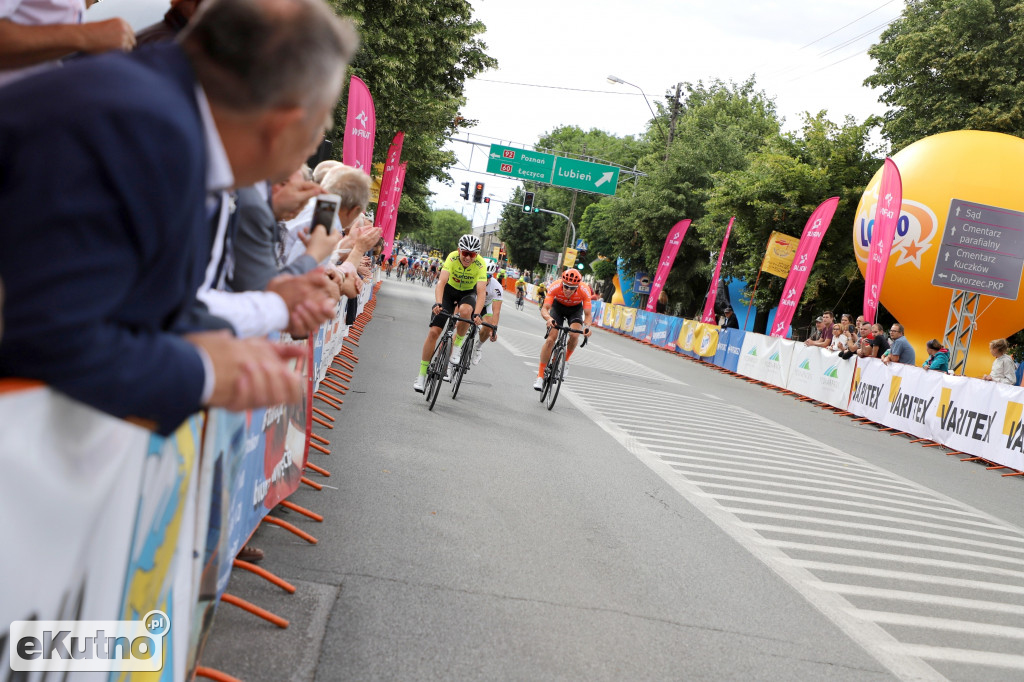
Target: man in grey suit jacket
[257,242]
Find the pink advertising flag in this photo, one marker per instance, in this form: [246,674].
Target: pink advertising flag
[360,127]
[803,259]
[391,219]
[709,307]
[883,231]
[668,257]
[387,180]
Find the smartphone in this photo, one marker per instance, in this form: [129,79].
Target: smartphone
[325,210]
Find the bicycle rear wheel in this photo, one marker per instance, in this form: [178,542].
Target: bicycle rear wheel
[555,377]
[435,373]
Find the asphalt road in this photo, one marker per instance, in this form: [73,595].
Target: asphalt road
[664,522]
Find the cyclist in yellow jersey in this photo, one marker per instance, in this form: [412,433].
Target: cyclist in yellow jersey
[462,284]
[540,292]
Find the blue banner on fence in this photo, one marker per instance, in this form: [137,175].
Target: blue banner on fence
[642,324]
[722,351]
[732,358]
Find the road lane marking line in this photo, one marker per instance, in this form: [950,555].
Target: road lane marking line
[875,640]
[885,556]
[921,598]
[968,627]
[963,583]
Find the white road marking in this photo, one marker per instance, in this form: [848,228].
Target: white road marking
[767,486]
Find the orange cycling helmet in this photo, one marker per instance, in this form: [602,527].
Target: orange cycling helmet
[572,277]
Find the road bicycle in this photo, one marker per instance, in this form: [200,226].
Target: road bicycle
[520,298]
[554,373]
[438,369]
[468,345]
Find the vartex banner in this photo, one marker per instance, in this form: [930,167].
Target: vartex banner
[979,417]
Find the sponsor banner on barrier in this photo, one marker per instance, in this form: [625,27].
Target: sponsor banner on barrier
[723,347]
[981,418]
[597,312]
[766,358]
[608,318]
[69,494]
[165,560]
[673,328]
[627,319]
[707,343]
[687,336]
[821,374]
[732,353]
[642,324]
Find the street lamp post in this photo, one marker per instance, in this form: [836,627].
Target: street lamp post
[616,79]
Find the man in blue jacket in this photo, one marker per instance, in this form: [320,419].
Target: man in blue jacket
[109,169]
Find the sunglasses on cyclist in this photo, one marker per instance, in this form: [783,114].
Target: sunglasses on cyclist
[471,254]
[570,287]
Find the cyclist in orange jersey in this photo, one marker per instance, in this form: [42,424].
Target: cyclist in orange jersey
[567,299]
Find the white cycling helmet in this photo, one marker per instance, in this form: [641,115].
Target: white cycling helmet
[492,267]
[469,242]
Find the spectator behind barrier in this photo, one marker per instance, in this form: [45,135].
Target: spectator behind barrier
[938,357]
[36,34]
[353,187]
[323,168]
[176,18]
[1004,370]
[99,274]
[823,327]
[258,243]
[900,350]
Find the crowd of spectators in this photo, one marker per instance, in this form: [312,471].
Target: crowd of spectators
[145,280]
[862,339]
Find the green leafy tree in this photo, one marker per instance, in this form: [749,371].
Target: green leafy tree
[719,127]
[777,191]
[443,231]
[950,65]
[415,56]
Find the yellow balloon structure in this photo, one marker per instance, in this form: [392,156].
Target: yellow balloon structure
[975,166]
[617,297]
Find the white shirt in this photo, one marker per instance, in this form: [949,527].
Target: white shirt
[493,291]
[38,13]
[251,313]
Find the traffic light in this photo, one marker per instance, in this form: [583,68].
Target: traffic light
[478,193]
[487,200]
[528,203]
[465,191]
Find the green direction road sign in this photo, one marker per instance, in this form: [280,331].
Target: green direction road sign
[586,176]
[552,170]
[520,163]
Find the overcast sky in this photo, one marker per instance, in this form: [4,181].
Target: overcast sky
[806,54]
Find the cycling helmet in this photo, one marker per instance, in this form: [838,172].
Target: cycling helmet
[572,277]
[492,267]
[469,242]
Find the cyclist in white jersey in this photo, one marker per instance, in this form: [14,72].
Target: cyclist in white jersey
[491,311]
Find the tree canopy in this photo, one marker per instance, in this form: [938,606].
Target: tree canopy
[951,65]
[415,57]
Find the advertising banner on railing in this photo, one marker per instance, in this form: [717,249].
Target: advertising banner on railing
[732,358]
[974,416]
[766,358]
[722,351]
[706,343]
[642,325]
[627,318]
[597,311]
[687,337]
[673,328]
[821,374]
[68,496]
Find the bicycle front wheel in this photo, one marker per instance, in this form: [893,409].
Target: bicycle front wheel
[460,369]
[435,373]
[555,368]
